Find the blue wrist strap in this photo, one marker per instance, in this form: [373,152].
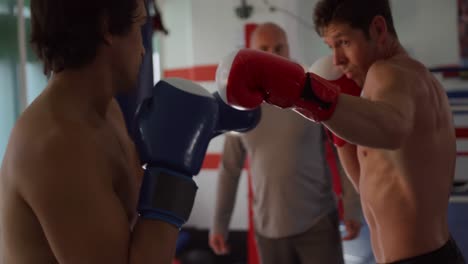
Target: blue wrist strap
[167,196]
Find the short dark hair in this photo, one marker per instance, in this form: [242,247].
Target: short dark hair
[67,33]
[357,13]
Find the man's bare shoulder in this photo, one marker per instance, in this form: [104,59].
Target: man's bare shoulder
[399,67]
[41,145]
[64,174]
[400,74]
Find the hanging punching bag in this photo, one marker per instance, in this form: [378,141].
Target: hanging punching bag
[129,101]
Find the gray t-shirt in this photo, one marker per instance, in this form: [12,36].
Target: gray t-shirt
[291,182]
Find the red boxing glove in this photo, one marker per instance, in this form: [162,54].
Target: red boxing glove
[248,77]
[325,68]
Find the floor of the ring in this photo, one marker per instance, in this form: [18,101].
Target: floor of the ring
[358,251]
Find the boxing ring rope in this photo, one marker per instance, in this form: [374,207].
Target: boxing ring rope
[459,105]
[458,199]
[449,69]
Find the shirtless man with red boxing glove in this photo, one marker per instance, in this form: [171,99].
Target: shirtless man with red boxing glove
[402,152]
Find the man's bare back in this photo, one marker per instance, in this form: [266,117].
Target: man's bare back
[54,123]
[405,191]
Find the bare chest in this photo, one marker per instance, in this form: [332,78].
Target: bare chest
[378,171]
[120,163]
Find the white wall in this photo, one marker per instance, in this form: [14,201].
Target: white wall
[203,31]
[214,29]
[428,29]
[178,46]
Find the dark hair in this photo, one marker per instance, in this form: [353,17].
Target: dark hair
[357,13]
[67,33]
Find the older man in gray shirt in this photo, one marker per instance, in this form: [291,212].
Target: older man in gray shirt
[295,210]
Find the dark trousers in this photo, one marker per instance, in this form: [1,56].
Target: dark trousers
[321,244]
[447,254]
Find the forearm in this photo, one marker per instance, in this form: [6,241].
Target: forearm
[165,203]
[228,183]
[153,241]
[366,123]
[351,199]
[232,163]
[349,162]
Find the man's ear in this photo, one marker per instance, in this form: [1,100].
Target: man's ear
[378,29]
[106,35]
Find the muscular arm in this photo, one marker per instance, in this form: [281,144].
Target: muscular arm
[232,163]
[162,248]
[153,242]
[71,193]
[383,118]
[347,155]
[351,201]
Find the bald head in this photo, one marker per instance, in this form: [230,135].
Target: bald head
[271,38]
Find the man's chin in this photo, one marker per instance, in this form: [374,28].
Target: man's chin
[357,80]
[349,75]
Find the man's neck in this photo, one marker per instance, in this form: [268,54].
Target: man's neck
[393,48]
[89,87]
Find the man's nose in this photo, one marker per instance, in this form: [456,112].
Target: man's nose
[338,58]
